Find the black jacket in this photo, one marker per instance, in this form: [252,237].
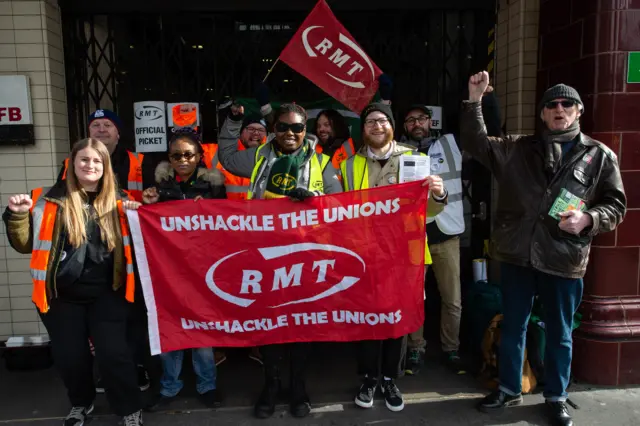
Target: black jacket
[524,233]
[209,183]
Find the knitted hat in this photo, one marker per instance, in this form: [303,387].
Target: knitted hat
[380,107]
[253,119]
[561,91]
[108,114]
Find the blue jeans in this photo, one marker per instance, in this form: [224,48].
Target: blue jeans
[203,365]
[560,298]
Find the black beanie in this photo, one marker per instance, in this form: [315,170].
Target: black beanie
[380,107]
[560,91]
[253,119]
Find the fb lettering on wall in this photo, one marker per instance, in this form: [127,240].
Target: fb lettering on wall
[150,126]
[16,121]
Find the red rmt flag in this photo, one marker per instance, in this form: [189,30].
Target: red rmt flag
[324,52]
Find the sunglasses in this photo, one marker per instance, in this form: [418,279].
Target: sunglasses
[295,127]
[179,156]
[554,104]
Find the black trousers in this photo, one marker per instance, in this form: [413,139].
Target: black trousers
[105,321]
[380,357]
[273,358]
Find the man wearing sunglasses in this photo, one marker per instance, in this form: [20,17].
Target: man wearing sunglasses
[558,189]
[444,241]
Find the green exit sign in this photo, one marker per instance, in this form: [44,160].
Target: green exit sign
[633,67]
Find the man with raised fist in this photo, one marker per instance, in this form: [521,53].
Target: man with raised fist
[558,188]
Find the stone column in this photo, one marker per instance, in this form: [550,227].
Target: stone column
[30,44]
[585,43]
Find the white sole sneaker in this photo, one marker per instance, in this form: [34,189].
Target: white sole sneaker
[395,409]
[363,404]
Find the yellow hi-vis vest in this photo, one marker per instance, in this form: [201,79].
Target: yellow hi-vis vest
[355,176]
[44,215]
[317,165]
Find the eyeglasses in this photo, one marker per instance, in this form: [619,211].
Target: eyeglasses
[178,156]
[372,122]
[254,130]
[295,127]
[554,104]
[421,120]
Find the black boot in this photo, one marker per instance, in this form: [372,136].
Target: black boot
[299,406]
[266,405]
[559,413]
[497,401]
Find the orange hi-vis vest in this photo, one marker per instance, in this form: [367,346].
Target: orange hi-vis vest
[236,186]
[134,179]
[346,150]
[44,215]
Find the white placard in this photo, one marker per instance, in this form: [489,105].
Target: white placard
[15,100]
[414,167]
[436,117]
[150,126]
[185,107]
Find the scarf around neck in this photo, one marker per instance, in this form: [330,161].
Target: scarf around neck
[553,140]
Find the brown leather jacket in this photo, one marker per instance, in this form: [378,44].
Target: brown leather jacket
[524,233]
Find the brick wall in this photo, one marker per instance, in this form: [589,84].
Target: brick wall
[31,45]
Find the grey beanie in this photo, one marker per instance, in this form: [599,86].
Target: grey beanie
[561,91]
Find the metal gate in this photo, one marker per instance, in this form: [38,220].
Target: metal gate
[115,60]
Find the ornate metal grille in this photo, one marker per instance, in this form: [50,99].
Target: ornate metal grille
[115,60]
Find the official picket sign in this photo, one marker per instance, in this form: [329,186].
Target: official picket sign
[150,126]
[344,267]
[436,117]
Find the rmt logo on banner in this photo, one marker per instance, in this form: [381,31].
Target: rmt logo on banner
[10,114]
[340,58]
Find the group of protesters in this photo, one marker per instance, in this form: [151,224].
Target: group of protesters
[85,283]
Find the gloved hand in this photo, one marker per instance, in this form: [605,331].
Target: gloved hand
[300,194]
[261,93]
[236,112]
[385,87]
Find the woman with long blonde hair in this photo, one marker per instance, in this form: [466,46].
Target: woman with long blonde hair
[83,283]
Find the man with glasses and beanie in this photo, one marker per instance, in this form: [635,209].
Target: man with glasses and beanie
[558,189]
[444,241]
[376,164]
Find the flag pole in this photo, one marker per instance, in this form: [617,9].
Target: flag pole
[270,69]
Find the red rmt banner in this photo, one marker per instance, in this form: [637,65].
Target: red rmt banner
[344,267]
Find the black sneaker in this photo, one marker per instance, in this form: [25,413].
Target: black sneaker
[299,405]
[77,416]
[211,399]
[498,401]
[266,404]
[143,379]
[559,413]
[99,386]
[366,393]
[454,362]
[134,419]
[415,361]
[159,402]
[392,396]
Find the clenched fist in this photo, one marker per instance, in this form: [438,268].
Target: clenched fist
[150,195]
[478,84]
[20,203]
